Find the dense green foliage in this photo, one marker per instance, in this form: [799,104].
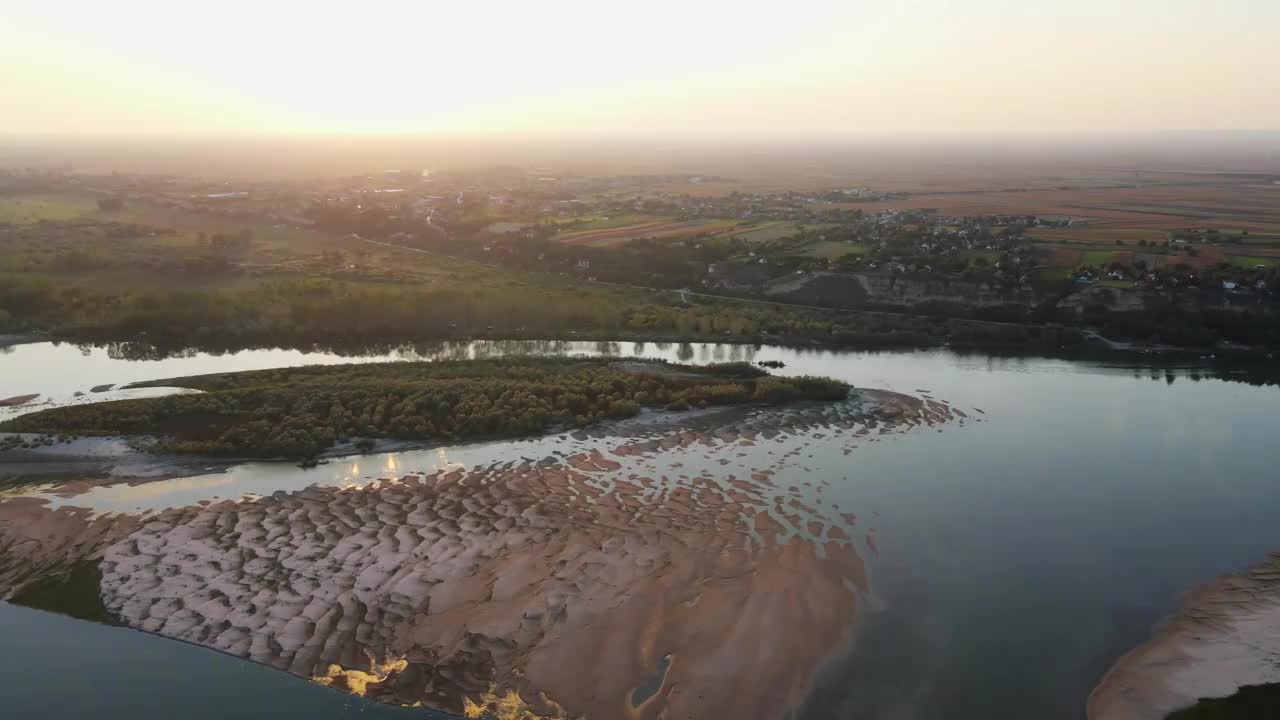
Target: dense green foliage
[779,390]
[298,412]
[325,311]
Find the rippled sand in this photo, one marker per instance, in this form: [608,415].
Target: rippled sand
[609,583]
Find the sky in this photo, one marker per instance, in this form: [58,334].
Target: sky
[702,67]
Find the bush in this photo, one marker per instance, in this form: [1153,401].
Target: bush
[779,390]
[731,369]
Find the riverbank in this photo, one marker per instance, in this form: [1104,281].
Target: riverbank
[69,467]
[1086,346]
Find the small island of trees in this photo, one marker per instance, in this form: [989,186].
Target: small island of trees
[301,412]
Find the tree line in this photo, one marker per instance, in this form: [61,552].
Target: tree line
[328,312]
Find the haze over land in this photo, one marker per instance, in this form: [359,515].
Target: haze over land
[819,69]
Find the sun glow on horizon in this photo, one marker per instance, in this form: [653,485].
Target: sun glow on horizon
[815,66]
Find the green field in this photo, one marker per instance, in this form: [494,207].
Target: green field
[1097,258]
[1250,262]
[765,232]
[26,209]
[506,227]
[831,249]
[147,245]
[267,237]
[597,221]
[991,256]
[1051,275]
[609,231]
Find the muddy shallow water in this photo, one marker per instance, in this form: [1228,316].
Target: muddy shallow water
[1010,560]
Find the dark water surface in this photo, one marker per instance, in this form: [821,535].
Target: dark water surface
[55,667]
[1014,558]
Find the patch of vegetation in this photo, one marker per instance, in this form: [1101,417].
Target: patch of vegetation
[299,412]
[740,369]
[780,390]
[37,207]
[333,313]
[76,592]
[1250,262]
[767,232]
[1097,258]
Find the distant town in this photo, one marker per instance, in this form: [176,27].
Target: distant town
[853,248]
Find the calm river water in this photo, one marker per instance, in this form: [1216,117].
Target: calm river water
[1015,559]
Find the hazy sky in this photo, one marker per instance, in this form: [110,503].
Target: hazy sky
[703,66]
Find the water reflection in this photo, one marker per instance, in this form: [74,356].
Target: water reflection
[1008,549]
[257,479]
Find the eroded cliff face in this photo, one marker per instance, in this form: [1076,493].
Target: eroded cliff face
[913,290]
[567,587]
[857,290]
[1096,298]
[1225,636]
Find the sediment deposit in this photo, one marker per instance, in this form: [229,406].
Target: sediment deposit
[601,584]
[1225,636]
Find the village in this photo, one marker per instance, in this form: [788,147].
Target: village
[840,248]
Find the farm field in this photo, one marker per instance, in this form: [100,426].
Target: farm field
[267,236]
[1096,236]
[1250,262]
[1110,214]
[83,258]
[767,231]
[659,228]
[832,250]
[26,209]
[1061,260]
[506,227]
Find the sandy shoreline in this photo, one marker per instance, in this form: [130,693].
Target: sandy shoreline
[1225,636]
[96,461]
[566,584]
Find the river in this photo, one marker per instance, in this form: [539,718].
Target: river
[1014,558]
